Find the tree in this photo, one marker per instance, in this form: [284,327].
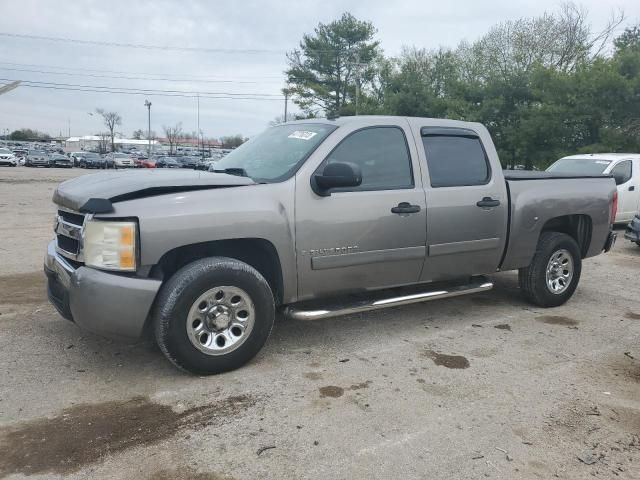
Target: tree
[111,121]
[173,134]
[323,71]
[103,142]
[232,141]
[629,40]
[138,134]
[25,134]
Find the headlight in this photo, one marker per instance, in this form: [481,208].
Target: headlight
[110,245]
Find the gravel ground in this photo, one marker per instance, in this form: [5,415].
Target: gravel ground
[466,388]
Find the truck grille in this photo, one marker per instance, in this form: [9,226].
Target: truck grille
[68,231]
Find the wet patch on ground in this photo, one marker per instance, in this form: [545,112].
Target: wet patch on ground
[84,434]
[331,391]
[187,473]
[449,361]
[503,326]
[632,316]
[313,375]
[557,320]
[23,289]
[360,386]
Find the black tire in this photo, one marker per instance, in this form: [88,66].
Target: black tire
[179,293]
[533,279]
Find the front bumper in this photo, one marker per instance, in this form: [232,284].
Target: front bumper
[110,305]
[633,230]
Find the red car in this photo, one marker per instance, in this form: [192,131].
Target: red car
[143,162]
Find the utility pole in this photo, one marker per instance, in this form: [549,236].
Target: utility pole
[357,66]
[199,149]
[286,102]
[147,104]
[69,126]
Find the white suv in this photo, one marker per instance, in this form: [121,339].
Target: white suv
[7,157]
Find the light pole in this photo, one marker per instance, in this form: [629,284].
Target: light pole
[199,149]
[147,104]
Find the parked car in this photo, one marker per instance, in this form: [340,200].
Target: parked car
[625,169]
[37,158]
[307,211]
[7,158]
[633,230]
[91,160]
[188,161]
[146,163]
[206,165]
[167,162]
[57,160]
[121,160]
[20,153]
[87,160]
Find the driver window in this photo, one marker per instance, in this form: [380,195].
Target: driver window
[382,155]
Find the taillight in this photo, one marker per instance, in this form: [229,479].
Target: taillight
[614,206]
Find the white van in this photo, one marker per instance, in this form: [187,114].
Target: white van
[625,168]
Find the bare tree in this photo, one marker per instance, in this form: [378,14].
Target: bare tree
[562,40]
[103,142]
[111,121]
[173,135]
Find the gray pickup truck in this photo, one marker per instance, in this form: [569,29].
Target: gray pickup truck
[316,218]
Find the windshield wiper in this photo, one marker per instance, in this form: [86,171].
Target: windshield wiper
[240,172]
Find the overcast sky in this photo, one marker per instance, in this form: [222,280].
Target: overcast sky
[273,25]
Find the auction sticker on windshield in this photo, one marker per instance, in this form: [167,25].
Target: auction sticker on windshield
[303,135]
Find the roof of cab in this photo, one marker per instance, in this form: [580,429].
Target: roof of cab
[381,119]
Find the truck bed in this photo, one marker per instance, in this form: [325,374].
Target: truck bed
[537,197]
[537,175]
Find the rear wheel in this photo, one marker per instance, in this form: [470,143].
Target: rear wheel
[213,315]
[554,272]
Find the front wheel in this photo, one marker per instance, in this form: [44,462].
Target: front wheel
[554,272]
[213,315]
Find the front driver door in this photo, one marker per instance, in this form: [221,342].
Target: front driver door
[351,240]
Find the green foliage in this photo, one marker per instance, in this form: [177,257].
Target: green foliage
[232,141]
[542,85]
[323,71]
[25,134]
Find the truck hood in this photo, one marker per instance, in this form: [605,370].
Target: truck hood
[98,192]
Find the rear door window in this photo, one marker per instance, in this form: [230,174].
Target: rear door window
[455,157]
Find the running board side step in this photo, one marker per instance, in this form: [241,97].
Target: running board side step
[297,312]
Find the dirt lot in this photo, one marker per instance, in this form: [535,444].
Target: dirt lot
[466,388]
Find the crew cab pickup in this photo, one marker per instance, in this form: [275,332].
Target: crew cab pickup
[315,218]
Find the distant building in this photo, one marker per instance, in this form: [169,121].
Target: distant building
[91,142]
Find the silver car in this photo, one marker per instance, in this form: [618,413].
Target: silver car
[37,158]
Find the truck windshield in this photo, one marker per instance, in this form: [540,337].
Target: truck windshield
[276,154]
[580,166]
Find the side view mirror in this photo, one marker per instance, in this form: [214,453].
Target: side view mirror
[336,175]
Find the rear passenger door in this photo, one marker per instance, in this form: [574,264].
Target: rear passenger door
[467,204]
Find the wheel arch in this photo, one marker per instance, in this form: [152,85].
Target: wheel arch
[261,254]
[577,226]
